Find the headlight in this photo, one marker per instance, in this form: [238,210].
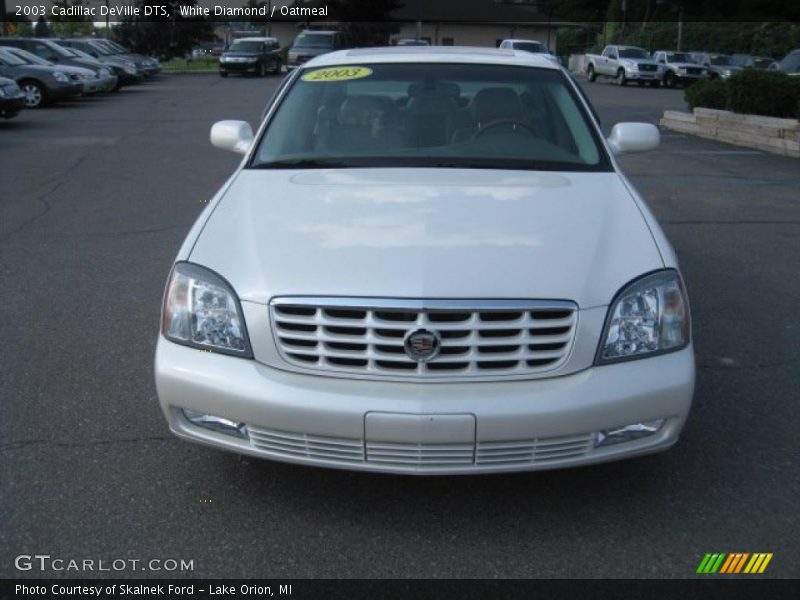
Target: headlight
[649,316]
[252,59]
[201,310]
[59,76]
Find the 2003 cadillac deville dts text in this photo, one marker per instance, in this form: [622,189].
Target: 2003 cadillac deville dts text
[428,262]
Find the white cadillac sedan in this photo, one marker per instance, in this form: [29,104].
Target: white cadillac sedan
[427,262]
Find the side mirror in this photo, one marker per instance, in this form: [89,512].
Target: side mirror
[633,137]
[235,136]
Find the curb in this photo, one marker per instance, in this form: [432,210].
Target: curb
[770,134]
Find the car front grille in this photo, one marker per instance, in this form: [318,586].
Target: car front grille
[646,67]
[496,454]
[475,338]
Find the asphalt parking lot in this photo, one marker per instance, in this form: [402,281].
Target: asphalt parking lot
[95,199]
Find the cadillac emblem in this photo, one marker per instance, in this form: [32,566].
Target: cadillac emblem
[422,345]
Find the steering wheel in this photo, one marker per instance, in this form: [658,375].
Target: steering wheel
[497,122]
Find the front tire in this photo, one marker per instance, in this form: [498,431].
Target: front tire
[262,70]
[35,94]
[223,73]
[669,80]
[276,67]
[591,74]
[621,80]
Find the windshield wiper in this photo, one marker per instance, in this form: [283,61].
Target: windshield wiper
[303,163]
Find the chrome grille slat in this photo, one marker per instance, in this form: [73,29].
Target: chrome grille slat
[479,338]
[422,456]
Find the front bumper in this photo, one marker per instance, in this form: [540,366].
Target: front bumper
[65,91]
[10,106]
[92,86]
[430,428]
[248,67]
[689,77]
[643,75]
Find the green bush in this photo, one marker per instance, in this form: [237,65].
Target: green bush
[768,93]
[707,93]
[751,92]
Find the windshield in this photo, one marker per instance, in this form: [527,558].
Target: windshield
[101,50]
[430,115]
[534,47]
[679,57]
[10,59]
[721,61]
[81,54]
[314,40]
[633,53]
[29,57]
[245,47]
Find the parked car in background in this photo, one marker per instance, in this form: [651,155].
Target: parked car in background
[125,69]
[679,68]
[625,64]
[42,85]
[531,46]
[51,51]
[12,98]
[94,81]
[251,56]
[311,43]
[147,65]
[745,61]
[718,66]
[789,64]
[412,42]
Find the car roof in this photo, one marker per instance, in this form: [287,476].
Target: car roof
[515,40]
[256,39]
[432,54]
[321,31]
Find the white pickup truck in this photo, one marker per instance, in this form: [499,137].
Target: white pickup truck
[624,64]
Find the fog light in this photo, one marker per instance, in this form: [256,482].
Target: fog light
[218,424]
[627,433]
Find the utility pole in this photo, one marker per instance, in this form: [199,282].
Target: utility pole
[680,27]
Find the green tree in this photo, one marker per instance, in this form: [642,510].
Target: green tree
[164,37]
[41,29]
[74,26]
[365,22]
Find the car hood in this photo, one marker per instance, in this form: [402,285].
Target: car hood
[645,61]
[88,63]
[37,69]
[300,50]
[240,54]
[427,233]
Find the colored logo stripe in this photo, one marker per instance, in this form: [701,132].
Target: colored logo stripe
[734,563]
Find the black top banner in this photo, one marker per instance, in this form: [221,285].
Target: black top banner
[405,11]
